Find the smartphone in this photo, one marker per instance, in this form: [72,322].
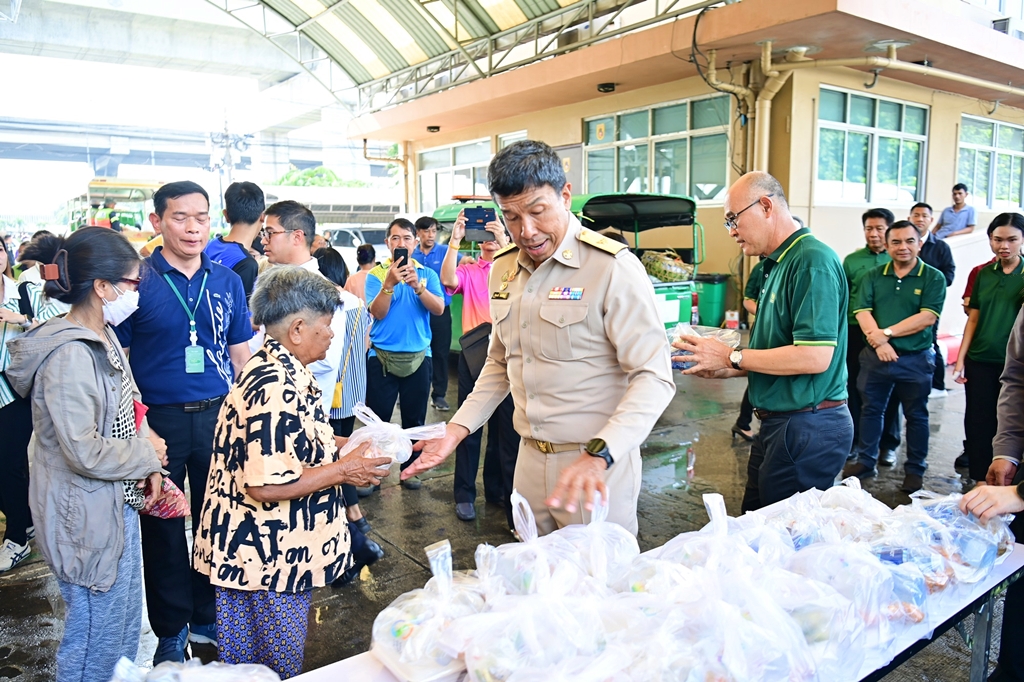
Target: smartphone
[401,254]
[477,218]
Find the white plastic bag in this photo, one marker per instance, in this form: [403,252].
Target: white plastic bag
[408,634]
[606,548]
[387,439]
[193,671]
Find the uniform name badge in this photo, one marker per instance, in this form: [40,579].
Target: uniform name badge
[566,294]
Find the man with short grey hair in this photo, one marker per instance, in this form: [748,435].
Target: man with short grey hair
[796,363]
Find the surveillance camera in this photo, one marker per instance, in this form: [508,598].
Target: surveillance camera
[433,129]
[606,87]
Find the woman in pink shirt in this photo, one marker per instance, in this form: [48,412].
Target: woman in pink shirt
[471,280]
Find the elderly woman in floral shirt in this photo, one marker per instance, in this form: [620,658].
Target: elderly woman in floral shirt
[273,526]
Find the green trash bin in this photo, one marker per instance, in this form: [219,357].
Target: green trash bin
[711,289]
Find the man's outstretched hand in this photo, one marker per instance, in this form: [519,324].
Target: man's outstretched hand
[433,452]
[582,478]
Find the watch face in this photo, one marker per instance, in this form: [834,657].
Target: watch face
[596,445]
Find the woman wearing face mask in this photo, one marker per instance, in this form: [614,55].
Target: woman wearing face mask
[93,452]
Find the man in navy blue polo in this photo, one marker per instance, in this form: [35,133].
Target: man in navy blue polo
[188,341]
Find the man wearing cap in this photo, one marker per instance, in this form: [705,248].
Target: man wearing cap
[577,340]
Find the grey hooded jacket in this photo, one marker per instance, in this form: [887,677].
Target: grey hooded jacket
[75,489]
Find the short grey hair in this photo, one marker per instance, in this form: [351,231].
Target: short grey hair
[284,291]
[764,184]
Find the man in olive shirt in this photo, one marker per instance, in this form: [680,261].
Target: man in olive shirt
[795,366]
[896,306]
[876,221]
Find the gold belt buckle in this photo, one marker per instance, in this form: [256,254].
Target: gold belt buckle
[545,447]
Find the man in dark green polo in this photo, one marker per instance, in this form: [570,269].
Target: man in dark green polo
[896,306]
[875,221]
[796,363]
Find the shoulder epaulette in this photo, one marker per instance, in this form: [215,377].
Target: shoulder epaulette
[511,248]
[599,241]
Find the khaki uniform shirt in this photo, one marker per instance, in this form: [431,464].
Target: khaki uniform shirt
[579,342]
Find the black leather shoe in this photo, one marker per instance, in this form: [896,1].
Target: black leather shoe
[859,470]
[962,462]
[912,483]
[465,511]
[363,525]
[412,483]
[368,556]
[367,491]
[887,458]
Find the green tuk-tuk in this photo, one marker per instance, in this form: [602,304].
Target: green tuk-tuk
[623,213]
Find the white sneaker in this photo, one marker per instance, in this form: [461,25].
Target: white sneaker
[30,533]
[12,554]
[937,393]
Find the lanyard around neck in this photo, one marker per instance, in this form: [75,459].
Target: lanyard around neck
[191,313]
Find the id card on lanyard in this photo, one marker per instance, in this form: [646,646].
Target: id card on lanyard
[194,353]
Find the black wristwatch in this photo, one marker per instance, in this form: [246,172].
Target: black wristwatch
[598,448]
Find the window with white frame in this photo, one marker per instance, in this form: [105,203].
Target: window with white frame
[676,148]
[870,149]
[452,171]
[991,162]
[508,138]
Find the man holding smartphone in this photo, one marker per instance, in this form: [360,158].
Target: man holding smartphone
[402,296]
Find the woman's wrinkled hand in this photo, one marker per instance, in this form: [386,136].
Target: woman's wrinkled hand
[361,471]
[154,483]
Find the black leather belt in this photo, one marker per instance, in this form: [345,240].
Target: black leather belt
[196,406]
[823,405]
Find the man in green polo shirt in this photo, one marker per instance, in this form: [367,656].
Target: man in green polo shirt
[896,306]
[876,221]
[995,302]
[796,363]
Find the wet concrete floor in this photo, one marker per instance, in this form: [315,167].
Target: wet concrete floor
[698,420]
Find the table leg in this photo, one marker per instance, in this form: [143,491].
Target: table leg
[981,640]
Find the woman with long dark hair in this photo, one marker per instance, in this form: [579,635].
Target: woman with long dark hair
[93,452]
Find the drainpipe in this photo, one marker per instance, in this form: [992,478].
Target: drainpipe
[744,92]
[763,113]
[403,160]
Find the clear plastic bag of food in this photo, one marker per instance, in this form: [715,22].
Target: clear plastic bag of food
[193,671]
[730,337]
[857,574]
[408,633]
[829,623]
[549,564]
[711,545]
[387,439]
[605,548]
[911,536]
[977,546]
[532,633]
[850,496]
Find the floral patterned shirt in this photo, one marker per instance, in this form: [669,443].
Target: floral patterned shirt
[271,427]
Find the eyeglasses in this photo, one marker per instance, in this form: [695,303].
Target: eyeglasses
[268,234]
[134,282]
[730,223]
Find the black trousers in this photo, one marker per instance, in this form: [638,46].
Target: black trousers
[980,423]
[1011,654]
[795,452]
[343,427]
[382,391]
[500,455]
[939,377]
[893,416]
[746,412]
[177,595]
[440,349]
[16,427]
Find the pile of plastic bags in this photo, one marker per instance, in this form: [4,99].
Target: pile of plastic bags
[803,590]
[193,671]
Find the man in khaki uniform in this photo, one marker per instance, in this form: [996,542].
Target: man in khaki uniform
[578,341]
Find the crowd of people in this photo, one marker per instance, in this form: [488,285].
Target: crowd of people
[231,368]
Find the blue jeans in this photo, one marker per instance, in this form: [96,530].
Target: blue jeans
[910,377]
[796,451]
[101,627]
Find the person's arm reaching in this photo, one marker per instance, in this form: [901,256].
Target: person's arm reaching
[354,469]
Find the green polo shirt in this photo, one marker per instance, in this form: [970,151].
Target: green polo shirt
[753,289]
[803,303]
[855,265]
[998,297]
[891,299]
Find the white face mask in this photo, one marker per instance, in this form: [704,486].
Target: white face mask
[120,309]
